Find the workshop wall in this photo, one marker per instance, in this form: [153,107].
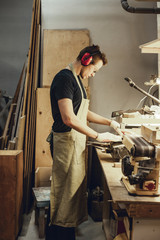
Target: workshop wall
[119,34]
[15,25]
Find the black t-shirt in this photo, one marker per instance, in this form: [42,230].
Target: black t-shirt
[64,85]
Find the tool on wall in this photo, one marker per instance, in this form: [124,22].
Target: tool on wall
[131,9]
[132,84]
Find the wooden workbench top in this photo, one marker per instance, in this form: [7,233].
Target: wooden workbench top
[117,189]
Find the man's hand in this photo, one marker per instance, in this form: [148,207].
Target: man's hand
[108,137]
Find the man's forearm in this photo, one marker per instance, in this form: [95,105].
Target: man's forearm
[95,118]
[76,124]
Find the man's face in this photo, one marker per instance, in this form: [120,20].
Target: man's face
[90,70]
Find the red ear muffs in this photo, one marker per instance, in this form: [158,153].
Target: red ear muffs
[86,59]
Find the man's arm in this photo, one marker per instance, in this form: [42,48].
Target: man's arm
[70,119]
[95,118]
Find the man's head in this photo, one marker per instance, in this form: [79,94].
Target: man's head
[92,59]
[92,53]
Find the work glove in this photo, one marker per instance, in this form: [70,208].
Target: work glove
[114,125]
[108,137]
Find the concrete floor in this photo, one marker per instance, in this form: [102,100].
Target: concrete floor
[87,230]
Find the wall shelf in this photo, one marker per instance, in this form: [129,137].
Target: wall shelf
[151,47]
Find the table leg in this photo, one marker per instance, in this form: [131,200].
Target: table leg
[36,216]
[41,222]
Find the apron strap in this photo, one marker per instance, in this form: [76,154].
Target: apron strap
[75,75]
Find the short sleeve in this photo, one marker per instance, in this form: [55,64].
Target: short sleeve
[63,87]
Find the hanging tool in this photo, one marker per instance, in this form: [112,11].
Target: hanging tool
[132,84]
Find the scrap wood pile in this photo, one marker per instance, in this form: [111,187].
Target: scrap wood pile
[19,131]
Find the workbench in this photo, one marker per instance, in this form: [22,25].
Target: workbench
[143,212]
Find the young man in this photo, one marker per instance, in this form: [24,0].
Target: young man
[69,103]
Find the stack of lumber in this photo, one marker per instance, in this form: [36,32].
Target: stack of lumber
[19,132]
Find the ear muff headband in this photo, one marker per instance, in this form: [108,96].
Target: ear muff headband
[86,59]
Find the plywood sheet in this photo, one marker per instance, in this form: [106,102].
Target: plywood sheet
[60,47]
[43,128]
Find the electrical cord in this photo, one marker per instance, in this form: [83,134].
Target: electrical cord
[145,96]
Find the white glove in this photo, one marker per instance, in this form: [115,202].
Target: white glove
[114,125]
[108,137]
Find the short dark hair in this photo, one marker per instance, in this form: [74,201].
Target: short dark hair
[95,52]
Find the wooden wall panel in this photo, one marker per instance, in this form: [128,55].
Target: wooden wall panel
[60,47]
[43,126]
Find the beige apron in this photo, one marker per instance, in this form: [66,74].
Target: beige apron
[68,186]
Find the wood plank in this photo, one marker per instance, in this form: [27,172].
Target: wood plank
[19,101]
[31,111]
[1,142]
[25,93]
[60,47]
[16,95]
[28,111]
[39,12]
[29,59]
[151,134]
[43,176]
[138,121]
[7,129]
[19,191]
[151,47]
[143,210]
[11,145]
[43,127]
[21,133]
[37,56]
[32,120]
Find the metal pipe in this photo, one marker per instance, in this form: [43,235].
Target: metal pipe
[132,84]
[130,9]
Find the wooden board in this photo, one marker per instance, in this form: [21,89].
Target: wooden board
[19,102]
[30,107]
[11,189]
[43,176]
[151,47]
[138,121]
[21,133]
[60,47]
[151,134]
[43,127]
[8,125]
[145,211]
